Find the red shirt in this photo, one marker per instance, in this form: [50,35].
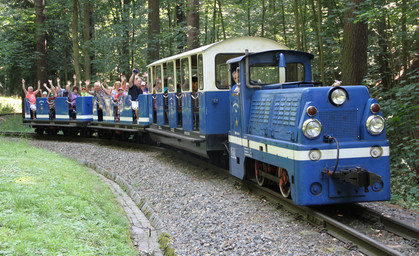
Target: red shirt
[31,97]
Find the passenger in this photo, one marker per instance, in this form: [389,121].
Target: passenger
[144,87]
[84,90]
[72,97]
[134,90]
[51,90]
[99,93]
[30,94]
[59,91]
[236,87]
[51,100]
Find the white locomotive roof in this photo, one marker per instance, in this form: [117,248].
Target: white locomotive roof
[237,43]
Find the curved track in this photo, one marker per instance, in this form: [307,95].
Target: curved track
[327,221]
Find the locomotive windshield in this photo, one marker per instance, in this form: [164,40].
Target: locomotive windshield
[265,74]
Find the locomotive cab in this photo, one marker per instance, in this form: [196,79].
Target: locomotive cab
[320,145]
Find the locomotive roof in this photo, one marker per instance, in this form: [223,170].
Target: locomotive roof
[237,59]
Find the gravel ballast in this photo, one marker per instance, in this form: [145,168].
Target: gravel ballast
[207,213]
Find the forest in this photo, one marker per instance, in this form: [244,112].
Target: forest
[370,42]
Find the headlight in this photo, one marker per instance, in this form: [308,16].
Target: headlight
[375,125]
[312,128]
[338,96]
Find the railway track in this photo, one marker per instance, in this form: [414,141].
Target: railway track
[327,221]
[354,239]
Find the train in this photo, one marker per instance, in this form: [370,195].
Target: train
[251,103]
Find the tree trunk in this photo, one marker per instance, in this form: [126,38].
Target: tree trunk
[206,25]
[153,30]
[75,34]
[297,25]
[284,27]
[214,15]
[41,44]
[248,17]
[262,33]
[405,45]
[383,57]
[125,59]
[303,25]
[222,20]
[317,28]
[354,52]
[193,24]
[180,22]
[86,40]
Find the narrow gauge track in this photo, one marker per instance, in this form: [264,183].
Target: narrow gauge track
[315,215]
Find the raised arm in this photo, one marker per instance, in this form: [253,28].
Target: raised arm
[75,80]
[46,87]
[105,82]
[58,82]
[131,79]
[123,80]
[105,90]
[39,87]
[53,91]
[23,87]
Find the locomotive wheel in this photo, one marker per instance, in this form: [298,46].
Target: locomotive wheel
[39,131]
[284,183]
[258,175]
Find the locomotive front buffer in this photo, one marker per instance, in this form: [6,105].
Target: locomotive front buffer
[358,177]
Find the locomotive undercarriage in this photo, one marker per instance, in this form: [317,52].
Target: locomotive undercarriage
[264,172]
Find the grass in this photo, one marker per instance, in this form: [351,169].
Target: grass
[50,205]
[10,105]
[13,123]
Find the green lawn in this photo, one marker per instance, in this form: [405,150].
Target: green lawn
[10,105]
[50,205]
[13,123]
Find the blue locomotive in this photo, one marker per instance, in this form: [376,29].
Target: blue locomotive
[252,101]
[321,145]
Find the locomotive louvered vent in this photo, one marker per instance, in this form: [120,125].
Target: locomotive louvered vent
[259,117]
[340,124]
[285,112]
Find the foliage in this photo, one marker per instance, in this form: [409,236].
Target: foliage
[10,105]
[13,124]
[59,208]
[400,106]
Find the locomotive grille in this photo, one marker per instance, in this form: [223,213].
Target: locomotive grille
[260,115]
[340,124]
[285,111]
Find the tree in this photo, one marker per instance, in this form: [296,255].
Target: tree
[153,30]
[75,34]
[41,44]
[354,52]
[193,24]
[86,39]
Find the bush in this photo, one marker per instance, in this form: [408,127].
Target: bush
[400,107]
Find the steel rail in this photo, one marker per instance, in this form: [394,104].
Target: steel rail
[364,243]
[395,226]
